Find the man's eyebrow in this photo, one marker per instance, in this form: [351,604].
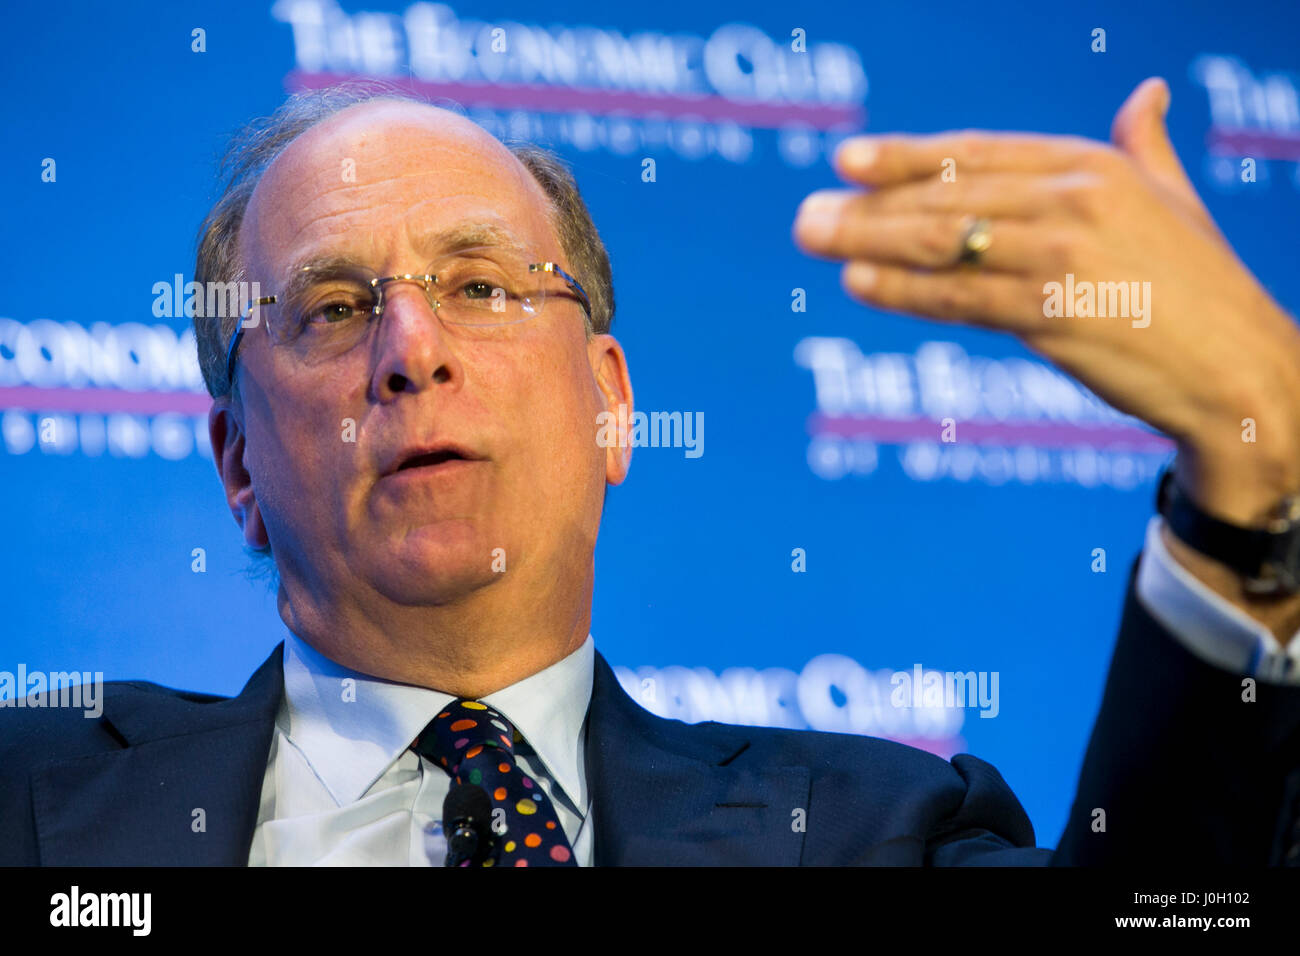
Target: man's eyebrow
[314,268]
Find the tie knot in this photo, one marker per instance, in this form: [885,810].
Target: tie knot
[461,731]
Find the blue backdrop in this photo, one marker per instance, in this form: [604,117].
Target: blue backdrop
[825,538]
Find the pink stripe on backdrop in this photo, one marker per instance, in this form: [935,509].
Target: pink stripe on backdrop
[1258,143]
[104,400]
[1040,435]
[943,747]
[563,99]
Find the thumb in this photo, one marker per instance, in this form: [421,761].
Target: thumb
[1139,131]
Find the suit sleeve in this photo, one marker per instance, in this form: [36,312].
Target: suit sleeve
[989,828]
[1188,763]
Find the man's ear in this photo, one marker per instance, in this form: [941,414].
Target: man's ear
[226,432]
[609,365]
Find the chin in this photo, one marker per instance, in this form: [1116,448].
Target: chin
[435,565]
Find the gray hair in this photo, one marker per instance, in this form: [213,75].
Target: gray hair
[257,144]
[253,148]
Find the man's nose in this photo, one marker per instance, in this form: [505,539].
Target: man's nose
[414,350]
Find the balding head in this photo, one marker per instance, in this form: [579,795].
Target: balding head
[256,147]
[378,160]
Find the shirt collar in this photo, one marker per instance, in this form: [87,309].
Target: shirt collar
[351,733]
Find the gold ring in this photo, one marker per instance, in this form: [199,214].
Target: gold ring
[977,236]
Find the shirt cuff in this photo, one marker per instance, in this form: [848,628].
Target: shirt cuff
[1208,625]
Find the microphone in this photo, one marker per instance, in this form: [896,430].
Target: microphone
[466,820]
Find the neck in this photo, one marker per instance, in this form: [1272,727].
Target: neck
[471,646]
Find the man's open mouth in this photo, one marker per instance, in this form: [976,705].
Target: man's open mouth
[431,458]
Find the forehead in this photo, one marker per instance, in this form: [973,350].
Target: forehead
[384,183]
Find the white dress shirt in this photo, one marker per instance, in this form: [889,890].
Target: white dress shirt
[1208,625]
[342,787]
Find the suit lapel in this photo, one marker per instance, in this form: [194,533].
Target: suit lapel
[183,790]
[673,794]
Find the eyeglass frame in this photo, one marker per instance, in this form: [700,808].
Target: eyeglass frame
[378,283]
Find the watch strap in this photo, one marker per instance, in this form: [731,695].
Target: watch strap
[1267,558]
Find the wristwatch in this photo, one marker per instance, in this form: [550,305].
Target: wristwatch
[1268,557]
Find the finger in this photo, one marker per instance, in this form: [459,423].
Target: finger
[1074,197]
[1000,195]
[988,300]
[935,241]
[1139,130]
[890,159]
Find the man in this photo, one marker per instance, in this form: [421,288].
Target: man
[406,421]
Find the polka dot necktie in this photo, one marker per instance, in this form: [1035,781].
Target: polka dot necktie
[476,744]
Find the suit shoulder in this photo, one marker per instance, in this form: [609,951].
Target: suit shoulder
[885,793]
[854,764]
[71,722]
[827,750]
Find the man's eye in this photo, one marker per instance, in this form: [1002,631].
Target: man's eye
[478,289]
[333,312]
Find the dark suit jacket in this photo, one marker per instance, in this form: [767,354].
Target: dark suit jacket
[1183,768]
